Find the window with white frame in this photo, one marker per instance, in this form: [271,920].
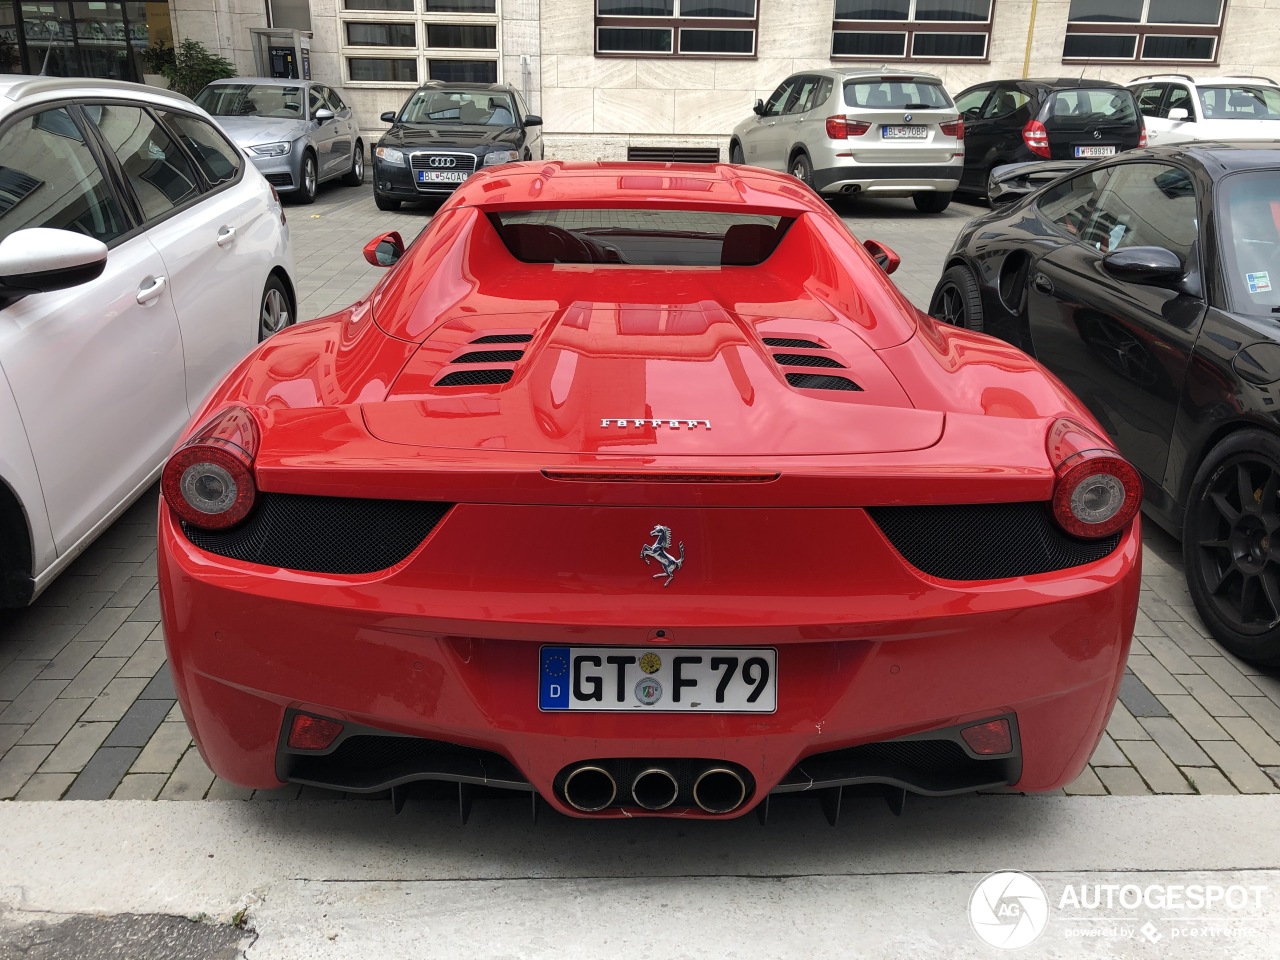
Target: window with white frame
[911,30]
[406,42]
[1177,31]
[670,28]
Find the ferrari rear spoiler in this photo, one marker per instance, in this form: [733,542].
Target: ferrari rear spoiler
[1014,181]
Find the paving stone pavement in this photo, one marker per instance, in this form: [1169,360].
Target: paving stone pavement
[87,708]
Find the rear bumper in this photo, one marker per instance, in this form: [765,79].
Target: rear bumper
[411,652]
[889,180]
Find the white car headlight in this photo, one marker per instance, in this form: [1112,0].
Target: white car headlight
[500,156]
[272,149]
[391,155]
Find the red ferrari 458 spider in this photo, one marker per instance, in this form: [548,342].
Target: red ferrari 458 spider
[642,489]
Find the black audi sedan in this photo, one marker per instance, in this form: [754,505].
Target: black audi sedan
[1150,284]
[444,133]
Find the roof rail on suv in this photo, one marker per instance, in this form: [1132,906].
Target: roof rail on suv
[1180,76]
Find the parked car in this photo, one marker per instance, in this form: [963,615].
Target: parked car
[1012,121]
[444,133]
[859,132]
[1146,284]
[609,506]
[141,257]
[298,133]
[1177,107]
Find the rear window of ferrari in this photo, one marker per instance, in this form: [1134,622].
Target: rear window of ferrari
[667,238]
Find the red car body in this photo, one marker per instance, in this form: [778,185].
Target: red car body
[853,531]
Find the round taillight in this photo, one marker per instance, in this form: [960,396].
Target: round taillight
[1097,494]
[209,481]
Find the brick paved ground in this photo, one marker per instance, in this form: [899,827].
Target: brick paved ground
[88,712]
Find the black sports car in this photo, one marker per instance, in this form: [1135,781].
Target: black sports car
[444,133]
[1150,284]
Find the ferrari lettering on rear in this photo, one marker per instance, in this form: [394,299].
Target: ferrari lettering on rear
[655,422]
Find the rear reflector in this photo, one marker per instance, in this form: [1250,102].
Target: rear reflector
[313,733]
[989,738]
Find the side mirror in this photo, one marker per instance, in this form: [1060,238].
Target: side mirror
[323,115]
[388,117]
[1148,266]
[533,120]
[41,259]
[385,249]
[1178,114]
[885,258]
[758,109]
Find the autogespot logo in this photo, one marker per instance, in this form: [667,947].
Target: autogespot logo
[1008,909]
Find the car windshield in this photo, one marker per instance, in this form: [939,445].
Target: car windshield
[640,237]
[254,100]
[459,106]
[1249,216]
[1240,102]
[1090,105]
[889,94]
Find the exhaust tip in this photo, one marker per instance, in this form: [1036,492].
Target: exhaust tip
[590,789]
[719,790]
[654,789]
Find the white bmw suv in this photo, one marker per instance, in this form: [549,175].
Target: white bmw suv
[859,132]
[1178,107]
[141,256]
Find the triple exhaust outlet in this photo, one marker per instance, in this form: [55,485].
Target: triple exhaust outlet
[590,789]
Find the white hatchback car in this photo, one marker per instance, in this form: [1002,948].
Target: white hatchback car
[141,256]
[1178,107]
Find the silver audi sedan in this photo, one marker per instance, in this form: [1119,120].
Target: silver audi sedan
[297,133]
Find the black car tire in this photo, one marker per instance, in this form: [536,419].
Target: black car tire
[1232,520]
[802,169]
[931,201]
[274,310]
[735,154]
[306,192]
[355,176]
[386,203]
[957,299]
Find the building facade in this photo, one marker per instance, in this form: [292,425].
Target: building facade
[609,76]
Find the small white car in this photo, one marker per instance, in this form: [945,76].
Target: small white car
[1178,107]
[141,256]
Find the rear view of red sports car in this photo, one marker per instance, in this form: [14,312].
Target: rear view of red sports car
[641,488]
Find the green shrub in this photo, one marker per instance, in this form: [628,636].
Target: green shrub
[193,67]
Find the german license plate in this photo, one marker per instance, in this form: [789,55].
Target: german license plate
[1107,151]
[663,680]
[913,132]
[441,176]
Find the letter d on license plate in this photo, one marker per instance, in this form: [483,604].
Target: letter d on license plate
[659,680]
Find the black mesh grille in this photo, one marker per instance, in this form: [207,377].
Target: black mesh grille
[280,179]
[372,761]
[505,338]
[324,534]
[490,356]
[986,541]
[792,342]
[473,378]
[931,766]
[820,381]
[661,154]
[805,360]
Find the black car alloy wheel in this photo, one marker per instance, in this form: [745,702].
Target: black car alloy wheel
[957,300]
[1231,545]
